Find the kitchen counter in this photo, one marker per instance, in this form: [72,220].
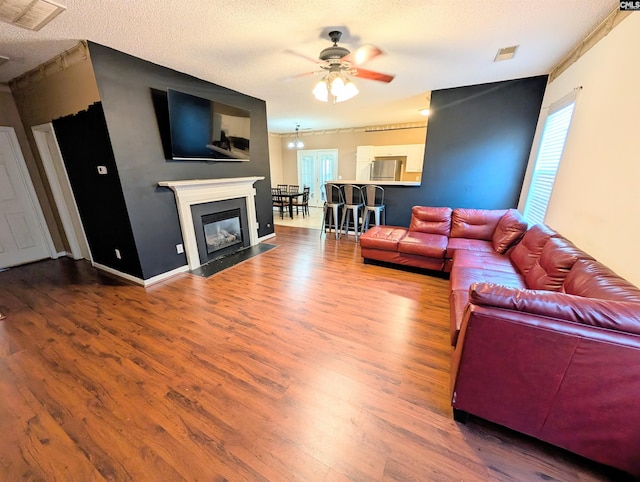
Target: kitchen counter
[378,183]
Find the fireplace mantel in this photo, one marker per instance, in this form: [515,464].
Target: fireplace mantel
[197,191]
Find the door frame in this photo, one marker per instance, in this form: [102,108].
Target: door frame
[30,190]
[61,190]
[316,153]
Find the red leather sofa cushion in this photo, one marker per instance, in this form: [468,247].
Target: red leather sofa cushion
[431,220]
[458,302]
[592,279]
[463,278]
[525,253]
[509,231]
[484,260]
[424,244]
[613,315]
[549,271]
[403,259]
[468,245]
[475,223]
[383,237]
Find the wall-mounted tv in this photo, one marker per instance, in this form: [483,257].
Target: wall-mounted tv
[202,129]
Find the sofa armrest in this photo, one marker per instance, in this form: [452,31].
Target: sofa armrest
[569,384]
[614,315]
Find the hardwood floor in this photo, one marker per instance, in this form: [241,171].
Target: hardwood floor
[302,363]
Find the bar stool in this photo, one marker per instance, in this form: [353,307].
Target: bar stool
[333,203]
[353,203]
[374,204]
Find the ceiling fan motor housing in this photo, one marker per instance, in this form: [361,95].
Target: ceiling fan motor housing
[335,52]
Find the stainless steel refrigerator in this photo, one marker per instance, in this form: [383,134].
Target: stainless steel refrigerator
[385,170]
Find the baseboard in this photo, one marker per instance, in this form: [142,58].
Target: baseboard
[140,281]
[119,274]
[267,236]
[167,275]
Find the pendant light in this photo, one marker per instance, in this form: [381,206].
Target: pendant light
[296,143]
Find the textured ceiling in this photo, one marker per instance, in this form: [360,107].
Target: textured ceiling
[242,44]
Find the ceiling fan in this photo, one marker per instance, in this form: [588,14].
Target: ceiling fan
[337,64]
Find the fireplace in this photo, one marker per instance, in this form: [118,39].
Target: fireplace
[220,228]
[198,192]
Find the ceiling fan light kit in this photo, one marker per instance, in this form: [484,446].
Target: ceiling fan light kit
[338,85]
[338,63]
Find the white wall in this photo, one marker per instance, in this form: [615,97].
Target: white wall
[596,196]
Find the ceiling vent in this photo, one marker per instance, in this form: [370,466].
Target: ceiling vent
[29,13]
[506,53]
[3,59]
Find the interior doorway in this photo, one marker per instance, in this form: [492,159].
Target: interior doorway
[49,151]
[315,168]
[24,235]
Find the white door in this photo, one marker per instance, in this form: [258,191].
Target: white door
[61,189]
[315,168]
[23,233]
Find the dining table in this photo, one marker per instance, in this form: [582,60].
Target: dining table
[290,196]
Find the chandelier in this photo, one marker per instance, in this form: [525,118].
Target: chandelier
[296,143]
[336,86]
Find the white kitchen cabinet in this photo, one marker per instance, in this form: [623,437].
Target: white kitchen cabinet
[364,157]
[364,153]
[390,151]
[415,157]
[363,171]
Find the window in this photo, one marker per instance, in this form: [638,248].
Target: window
[554,135]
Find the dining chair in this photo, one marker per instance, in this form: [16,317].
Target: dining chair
[278,201]
[304,203]
[373,204]
[294,188]
[331,209]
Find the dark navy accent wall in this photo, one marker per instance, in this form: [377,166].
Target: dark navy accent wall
[477,148]
[125,84]
[84,144]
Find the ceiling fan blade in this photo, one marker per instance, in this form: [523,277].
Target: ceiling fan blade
[362,54]
[371,75]
[296,76]
[298,54]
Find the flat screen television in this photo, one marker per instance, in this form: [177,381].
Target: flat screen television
[202,129]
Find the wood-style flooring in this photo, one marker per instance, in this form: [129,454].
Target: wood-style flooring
[300,364]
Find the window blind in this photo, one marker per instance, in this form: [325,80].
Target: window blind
[547,162]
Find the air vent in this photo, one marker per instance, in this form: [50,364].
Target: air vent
[506,53]
[29,13]
[3,59]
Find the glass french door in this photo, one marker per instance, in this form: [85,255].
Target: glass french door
[315,168]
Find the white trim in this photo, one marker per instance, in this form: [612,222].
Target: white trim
[266,236]
[30,190]
[564,101]
[140,281]
[59,186]
[167,275]
[198,191]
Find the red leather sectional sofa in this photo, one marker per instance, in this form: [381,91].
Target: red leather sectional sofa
[546,339]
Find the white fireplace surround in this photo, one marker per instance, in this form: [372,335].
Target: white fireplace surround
[198,191]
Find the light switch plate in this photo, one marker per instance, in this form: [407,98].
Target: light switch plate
[102,169]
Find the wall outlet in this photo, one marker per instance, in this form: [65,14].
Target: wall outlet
[102,169]
[179,248]
[118,255]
